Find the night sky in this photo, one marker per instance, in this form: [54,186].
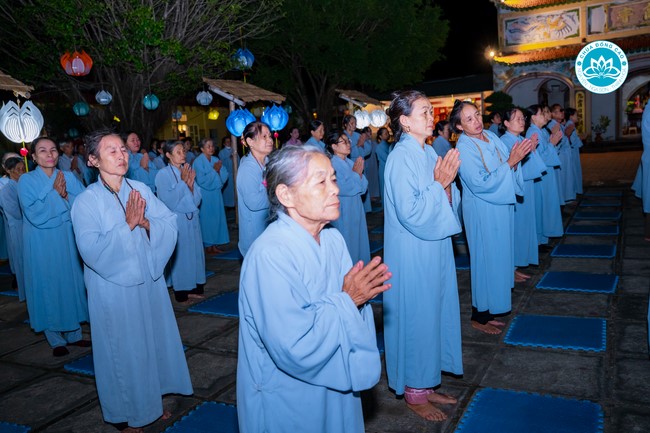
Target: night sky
[472,28]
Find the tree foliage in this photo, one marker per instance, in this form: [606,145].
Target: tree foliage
[136,45]
[500,102]
[364,45]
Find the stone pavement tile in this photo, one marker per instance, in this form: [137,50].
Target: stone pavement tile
[476,359]
[631,307]
[637,252]
[211,373]
[46,400]
[12,375]
[16,337]
[11,310]
[634,231]
[596,266]
[196,328]
[547,371]
[636,240]
[631,380]
[633,284]
[226,341]
[629,420]
[631,338]
[222,282]
[40,355]
[562,303]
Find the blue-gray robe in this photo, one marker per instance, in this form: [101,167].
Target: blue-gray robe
[252,202]
[13,224]
[225,155]
[136,172]
[641,185]
[576,144]
[305,350]
[214,227]
[313,142]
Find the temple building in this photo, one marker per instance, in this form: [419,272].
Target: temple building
[539,41]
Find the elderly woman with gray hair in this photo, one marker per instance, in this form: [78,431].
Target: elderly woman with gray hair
[307,343]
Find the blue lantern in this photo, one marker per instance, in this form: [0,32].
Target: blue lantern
[249,116]
[204,98]
[243,58]
[237,121]
[73,133]
[150,101]
[103,97]
[275,117]
[176,115]
[81,109]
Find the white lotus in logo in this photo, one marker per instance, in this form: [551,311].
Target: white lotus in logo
[601,68]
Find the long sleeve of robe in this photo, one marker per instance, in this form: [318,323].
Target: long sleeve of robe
[136,172]
[421,310]
[305,350]
[137,350]
[54,288]
[252,202]
[13,222]
[489,188]
[214,227]
[188,261]
[352,220]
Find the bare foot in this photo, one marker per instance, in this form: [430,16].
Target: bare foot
[132,430]
[195,296]
[428,411]
[487,328]
[498,323]
[521,275]
[166,415]
[438,398]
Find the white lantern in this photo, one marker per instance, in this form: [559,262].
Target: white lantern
[363,118]
[20,125]
[103,97]
[204,98]
[378,118]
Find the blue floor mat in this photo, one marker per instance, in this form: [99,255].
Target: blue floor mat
[8,427]
[9,293]
[377,230]
[595,215]
[225,304]
[579,282]
[592,230]
[462,262]
[376,246]
[229,255]
[556,332]
[604,194]
[585,251]
[83,365]
[208,417]
[504,411]
[5,270]
[601,202]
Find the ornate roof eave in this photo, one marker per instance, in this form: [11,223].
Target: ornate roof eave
[524,5]
[629,45]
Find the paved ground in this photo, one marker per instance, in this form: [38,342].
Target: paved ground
[36,390]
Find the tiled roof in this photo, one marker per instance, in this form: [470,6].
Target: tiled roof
[530,4]
[242,92]
[629,45]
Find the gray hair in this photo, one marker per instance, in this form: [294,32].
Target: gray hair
[287,166]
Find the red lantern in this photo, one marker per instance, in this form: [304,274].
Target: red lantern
[76,64]
[24,152]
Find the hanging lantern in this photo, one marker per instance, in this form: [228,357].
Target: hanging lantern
[243,59]
[150,101]
[237,121]
[177,115]
[275,117]
[73,133]
[213,114]
[204,98]
[81,109]
[363,118]
[22,124]
[103,97]
[378,118]
[288,108]
[76,64]
[258,111]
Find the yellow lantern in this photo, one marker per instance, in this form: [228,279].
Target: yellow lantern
[213,114]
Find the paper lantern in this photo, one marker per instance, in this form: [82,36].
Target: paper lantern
[237,121]
[275,117]
[177,115]
[363,118]
[204,98]
[378,118]
[22,124]
[213,114]
[150,101]
[76,64]
[258,111]
[249,116]
[73,133]
[81,109]
[243,59]
[24,152]
[103,97]
[288,108]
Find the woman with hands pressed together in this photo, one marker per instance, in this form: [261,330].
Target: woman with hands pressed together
[125,236]
[176,187]
[421,312]
[307,343]
[491,178]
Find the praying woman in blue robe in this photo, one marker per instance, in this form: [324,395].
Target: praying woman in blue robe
[252,198]
[211,176]
[317,132]
[125,236]
[307,343]
[225,156]
[352,185]
[359,146]
[641,185]
[13,220]
[571,131]
[421,312]
[383,149]
[54,286]
[491,177]
[566,180]
[141,168]
[176,187]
